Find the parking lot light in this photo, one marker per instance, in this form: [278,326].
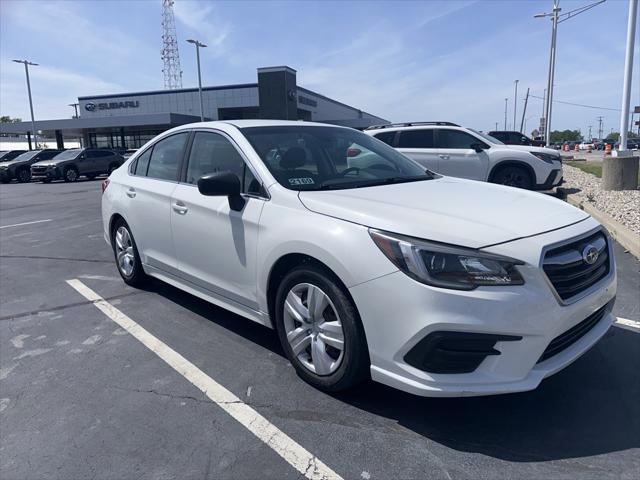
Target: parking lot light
[33,123]
[199,44]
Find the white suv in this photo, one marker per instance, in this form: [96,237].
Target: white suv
[456,151]
[434,285]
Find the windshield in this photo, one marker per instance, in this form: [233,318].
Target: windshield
[68,154]
[324,158]
[26,156]
[487,137]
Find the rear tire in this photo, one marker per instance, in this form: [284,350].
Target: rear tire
[126,255]
[317,337]
[71,174]
[513,176]
[24,175]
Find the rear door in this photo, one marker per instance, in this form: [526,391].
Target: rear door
[148,188]
[418,144]
[102,160]
[457,156]
[87,161]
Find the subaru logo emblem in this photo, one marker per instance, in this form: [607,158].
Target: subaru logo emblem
[590,254]
[90,107]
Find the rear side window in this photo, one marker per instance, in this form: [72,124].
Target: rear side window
[455,139]
[386,137]
[416,139]
[103,153]
[48,155]
[166,156]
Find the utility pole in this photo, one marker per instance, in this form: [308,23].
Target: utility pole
[600,127]
[75,109]
[496,126]
[505,112]
[515,105]
[526,100]
[198,46]
[590,137]
[628,68]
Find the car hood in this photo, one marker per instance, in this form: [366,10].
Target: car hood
[48,162]
[449,210]
[11,163]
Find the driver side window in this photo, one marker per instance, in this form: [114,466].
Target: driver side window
[213,153]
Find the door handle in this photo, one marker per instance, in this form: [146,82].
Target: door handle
[180,208]
[444,157]
[131,192]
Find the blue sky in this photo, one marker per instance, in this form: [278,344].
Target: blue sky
[445,60]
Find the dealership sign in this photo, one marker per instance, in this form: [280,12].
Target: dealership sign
[92,107]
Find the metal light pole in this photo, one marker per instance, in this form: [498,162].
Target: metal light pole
[555,20]
[515,105]
[33,122]
[198,45]
[505,112]
[628,67]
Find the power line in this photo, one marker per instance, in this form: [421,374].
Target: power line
[579,104]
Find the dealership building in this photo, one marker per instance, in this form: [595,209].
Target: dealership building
[128,120]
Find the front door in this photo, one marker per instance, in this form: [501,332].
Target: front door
[215,244]
[458,157]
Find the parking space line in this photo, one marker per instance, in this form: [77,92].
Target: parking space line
[296,455]
[628,323]
[26,223]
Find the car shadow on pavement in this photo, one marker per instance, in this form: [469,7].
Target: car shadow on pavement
[590,408]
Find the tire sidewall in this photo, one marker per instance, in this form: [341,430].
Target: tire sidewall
[21,172]
[352,368]
[499,175]
[138,276]
[66,173]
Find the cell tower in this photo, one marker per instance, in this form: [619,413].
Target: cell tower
[170,54]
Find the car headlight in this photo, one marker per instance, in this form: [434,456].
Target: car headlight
[546,157]
[446,266]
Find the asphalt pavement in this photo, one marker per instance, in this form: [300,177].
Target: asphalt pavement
[81,397]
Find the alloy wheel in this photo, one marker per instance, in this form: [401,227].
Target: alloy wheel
[72,175]
[24,176]
[313,328]
[124,251]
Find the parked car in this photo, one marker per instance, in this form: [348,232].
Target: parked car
[609,141]
[71,164]
[20,167]
[127,153]
[585,145]
[435,285]
[456,151]
[8,155]
[515,138]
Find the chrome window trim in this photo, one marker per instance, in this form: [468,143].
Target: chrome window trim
[593,288]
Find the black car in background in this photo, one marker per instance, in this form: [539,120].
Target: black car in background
[72,164]
[515,138]
[20,167]
[10,155]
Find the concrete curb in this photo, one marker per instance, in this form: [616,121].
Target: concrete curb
[623,235]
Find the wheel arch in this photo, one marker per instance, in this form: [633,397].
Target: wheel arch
[513,163]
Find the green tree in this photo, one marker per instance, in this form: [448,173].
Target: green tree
[566,136]
[8,119]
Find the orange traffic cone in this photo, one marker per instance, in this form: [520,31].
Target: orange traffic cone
[589,148]
[607,149]
[576,148]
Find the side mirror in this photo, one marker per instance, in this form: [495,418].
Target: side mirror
[82,156]
[478,147]
[223,184]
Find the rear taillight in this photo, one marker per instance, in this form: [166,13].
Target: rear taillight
[105,184]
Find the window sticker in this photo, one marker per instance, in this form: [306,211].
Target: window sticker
[301,181]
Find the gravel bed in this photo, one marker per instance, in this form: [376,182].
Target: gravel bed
[624,205]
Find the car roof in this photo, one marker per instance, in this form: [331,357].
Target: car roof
[259,123]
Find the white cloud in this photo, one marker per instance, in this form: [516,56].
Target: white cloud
[201,19]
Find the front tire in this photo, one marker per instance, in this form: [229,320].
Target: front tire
[320,330]
[71,174]
[126,254]
[513,176]
[24,175]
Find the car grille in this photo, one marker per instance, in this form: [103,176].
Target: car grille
[568,271]
[571,336]
[38,169]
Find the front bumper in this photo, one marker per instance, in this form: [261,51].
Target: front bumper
[554,179]
[398,312]
[51,173]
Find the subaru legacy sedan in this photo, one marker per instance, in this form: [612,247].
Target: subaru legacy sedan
[365,264]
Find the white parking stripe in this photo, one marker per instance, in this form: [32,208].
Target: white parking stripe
[296,455]
[25,223]
[628,323]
